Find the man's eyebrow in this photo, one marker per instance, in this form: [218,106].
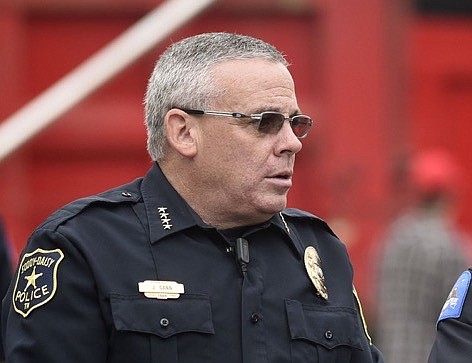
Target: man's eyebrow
[259,110]
[295,113]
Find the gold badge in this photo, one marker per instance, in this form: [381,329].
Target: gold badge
[161,289]
[313,268]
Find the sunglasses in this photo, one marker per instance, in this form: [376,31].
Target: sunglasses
[268,122]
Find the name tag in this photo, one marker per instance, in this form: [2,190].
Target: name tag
[161,289]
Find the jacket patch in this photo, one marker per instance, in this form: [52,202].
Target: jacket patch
[36,282]
[455,301]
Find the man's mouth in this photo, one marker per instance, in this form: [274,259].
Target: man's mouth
[285,175]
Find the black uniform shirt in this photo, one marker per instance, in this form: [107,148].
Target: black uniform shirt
[453,343]
[75,296]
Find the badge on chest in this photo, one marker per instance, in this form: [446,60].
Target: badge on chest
[315,272]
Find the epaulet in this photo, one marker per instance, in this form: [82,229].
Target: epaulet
[298,213]
[128,193]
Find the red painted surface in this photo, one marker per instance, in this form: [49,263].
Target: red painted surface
[441,102]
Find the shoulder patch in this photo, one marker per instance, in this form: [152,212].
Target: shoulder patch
[455,301]
[36,282]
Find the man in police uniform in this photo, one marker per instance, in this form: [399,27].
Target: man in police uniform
[198,261]
[453,343]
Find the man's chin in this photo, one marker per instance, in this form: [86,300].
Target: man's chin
[274,206]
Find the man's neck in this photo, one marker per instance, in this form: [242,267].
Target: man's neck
[208,203]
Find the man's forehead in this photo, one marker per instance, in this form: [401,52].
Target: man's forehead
[253,75]
[244,66]
[268,85]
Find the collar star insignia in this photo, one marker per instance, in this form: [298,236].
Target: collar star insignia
[163,215]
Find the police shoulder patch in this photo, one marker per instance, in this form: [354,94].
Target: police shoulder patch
[36,282]
[455,301]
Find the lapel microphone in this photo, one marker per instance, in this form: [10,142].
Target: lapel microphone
[242,254]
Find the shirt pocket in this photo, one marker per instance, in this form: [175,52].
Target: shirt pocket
[325,334]
[153,330]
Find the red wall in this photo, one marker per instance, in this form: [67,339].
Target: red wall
[441,96]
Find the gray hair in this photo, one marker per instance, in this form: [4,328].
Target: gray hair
[182,77]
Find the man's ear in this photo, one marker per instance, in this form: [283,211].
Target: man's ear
[181,132]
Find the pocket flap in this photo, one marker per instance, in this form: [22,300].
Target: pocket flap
[327,326]
[188,313]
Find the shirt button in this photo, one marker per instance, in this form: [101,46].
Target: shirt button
[328,334]
[255,318]
[164,322]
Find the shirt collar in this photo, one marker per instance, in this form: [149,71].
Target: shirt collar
[169,213]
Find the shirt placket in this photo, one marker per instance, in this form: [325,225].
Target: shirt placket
[253,332]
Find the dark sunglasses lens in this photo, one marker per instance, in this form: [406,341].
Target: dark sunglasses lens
[301,125]
[271,122]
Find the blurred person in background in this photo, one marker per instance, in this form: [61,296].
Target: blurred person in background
[199,260]
[422,255]
[5,273]
[453,342]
